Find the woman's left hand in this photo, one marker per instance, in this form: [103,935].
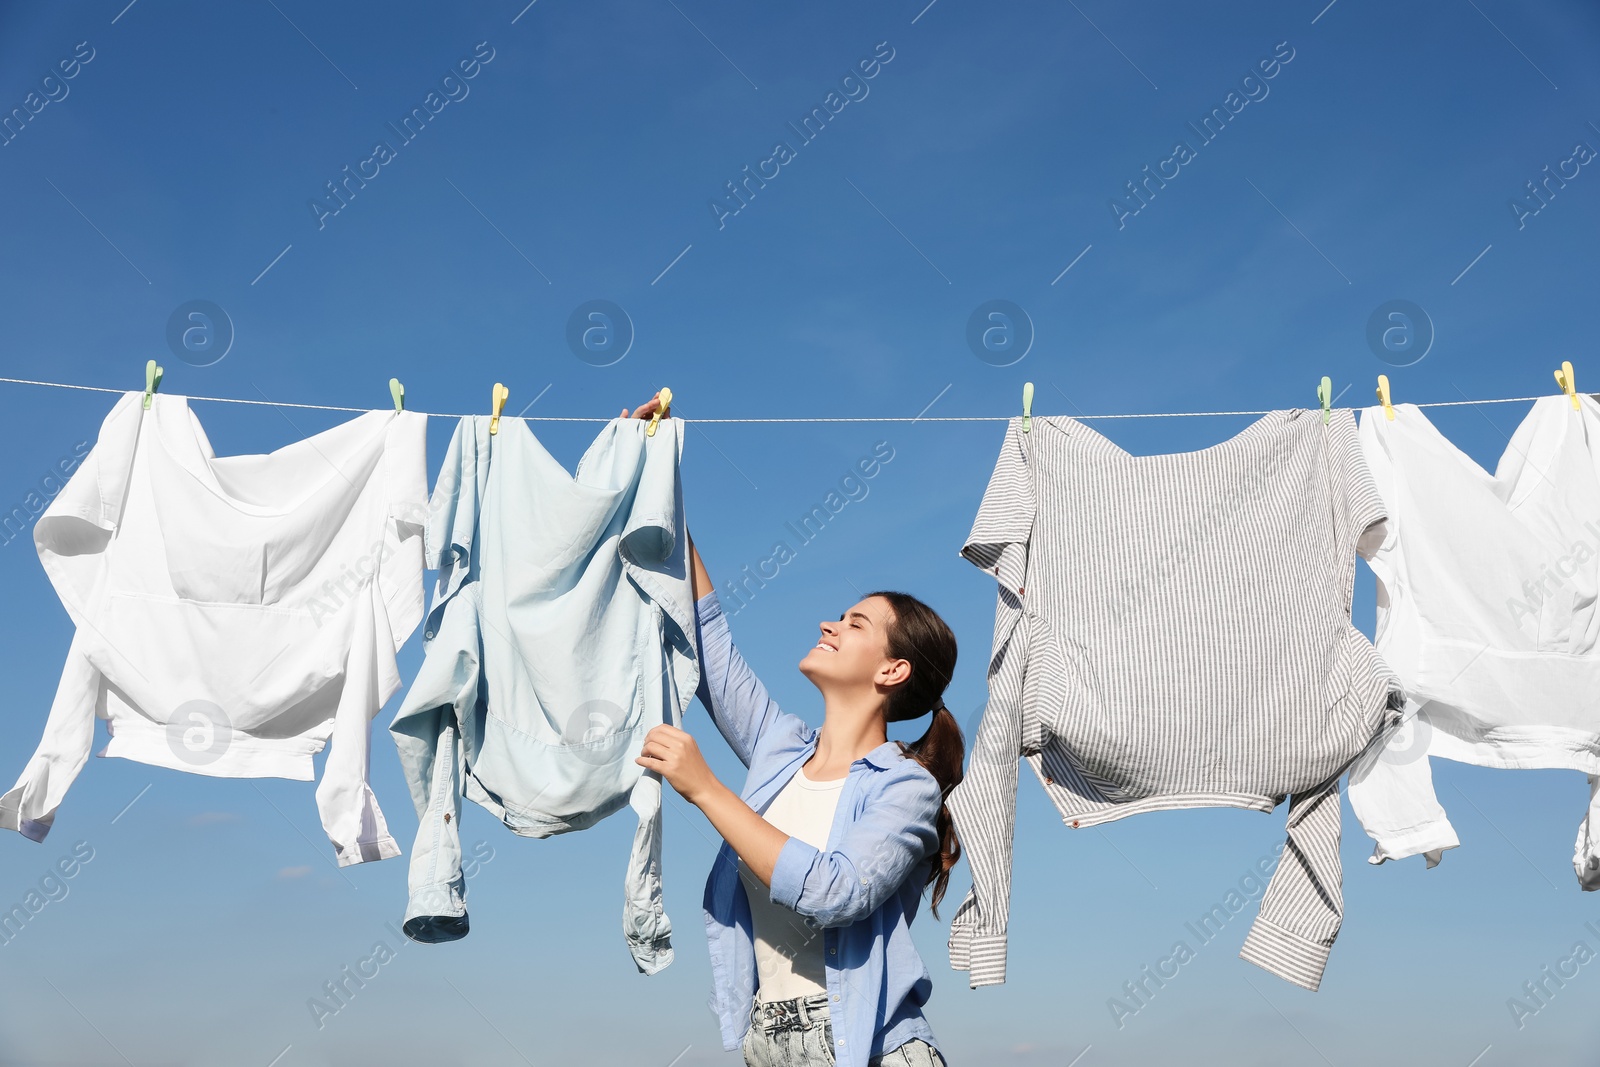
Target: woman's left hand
[675,755]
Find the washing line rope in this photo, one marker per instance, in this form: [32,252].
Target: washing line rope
[881,418]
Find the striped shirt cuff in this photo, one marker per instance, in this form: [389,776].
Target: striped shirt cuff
[1289,955]
[983,956]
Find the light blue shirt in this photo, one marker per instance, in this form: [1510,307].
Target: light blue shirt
[559,635]
[859,894]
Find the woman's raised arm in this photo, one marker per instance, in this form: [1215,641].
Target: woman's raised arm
[738,703]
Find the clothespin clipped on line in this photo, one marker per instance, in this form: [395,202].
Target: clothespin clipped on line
[1383,395]
[1325,396]
[663,402]
[1565,379]
[152,381]
[1027,406]
[499,402]
[397,391]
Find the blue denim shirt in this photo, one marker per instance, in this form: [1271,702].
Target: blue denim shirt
[560,634]
[859,895]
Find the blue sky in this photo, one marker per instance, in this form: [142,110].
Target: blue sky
[585,160]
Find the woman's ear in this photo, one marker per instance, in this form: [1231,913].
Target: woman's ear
[894,672]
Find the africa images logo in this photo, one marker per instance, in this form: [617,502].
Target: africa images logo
[199,733]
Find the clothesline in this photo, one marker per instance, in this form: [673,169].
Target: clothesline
[877,418]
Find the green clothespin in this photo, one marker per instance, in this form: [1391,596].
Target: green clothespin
[397,391]
[152,380]
[1027,405]
[1325,395]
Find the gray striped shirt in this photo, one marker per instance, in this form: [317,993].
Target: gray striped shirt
[1173,631]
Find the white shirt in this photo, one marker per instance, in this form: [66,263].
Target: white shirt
[233,613]
[1487,609]
[789,959]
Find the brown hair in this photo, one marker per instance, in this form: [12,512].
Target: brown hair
[919,636]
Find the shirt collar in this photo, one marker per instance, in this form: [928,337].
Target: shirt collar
[884,755]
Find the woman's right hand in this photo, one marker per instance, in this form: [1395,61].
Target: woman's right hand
[647,409]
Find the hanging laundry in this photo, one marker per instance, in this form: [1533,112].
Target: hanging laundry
[1173,631]
[1487,609]
[559,635]
[234,613]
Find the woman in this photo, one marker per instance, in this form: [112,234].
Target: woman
[808,905]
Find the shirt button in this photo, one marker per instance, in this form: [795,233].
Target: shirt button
[1049,780]
[428,633]
[1074,824]
[836,997]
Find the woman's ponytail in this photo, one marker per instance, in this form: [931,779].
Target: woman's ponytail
[942,750]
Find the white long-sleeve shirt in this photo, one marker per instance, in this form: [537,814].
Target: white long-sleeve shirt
[1489,611]
[233,614]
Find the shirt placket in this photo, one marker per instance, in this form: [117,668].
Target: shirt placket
[831,934]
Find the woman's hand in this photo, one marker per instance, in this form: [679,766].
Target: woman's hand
[645,410]
[675,755]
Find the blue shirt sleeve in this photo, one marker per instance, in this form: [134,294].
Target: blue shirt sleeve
[729,689]
[895,832]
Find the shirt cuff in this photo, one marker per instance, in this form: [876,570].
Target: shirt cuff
[1291,956]
[1434,836]
[983,956]
[960,946]
[789,873]
[376,848]
[11,817]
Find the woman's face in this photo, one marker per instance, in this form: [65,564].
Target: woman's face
[853,650]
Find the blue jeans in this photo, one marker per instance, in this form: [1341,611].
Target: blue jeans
[799,1033]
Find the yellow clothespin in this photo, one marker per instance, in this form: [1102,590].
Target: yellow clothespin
[152,380]
[664,401]
[397,391]
[1383,395]
[1027,406]
[1325,396]
[1565,379]
[500,395]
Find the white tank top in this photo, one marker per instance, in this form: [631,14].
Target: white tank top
[789,959]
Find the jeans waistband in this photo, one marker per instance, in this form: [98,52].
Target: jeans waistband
[796,1013]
